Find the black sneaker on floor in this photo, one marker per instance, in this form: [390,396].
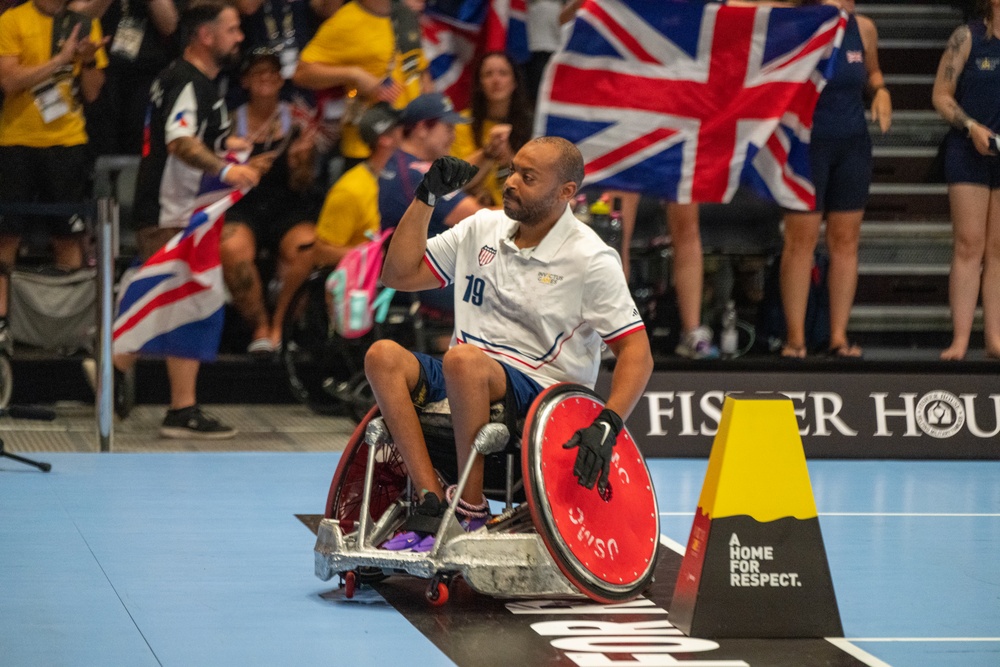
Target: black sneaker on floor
[192,423]
[124,395]
[123,385]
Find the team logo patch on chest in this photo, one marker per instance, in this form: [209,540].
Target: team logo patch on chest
[855,57]
[987,64]
[548,278]
[486,255]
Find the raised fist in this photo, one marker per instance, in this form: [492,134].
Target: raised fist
[447,174]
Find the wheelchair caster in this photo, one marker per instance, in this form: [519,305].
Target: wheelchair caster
[437,591]
[350,582]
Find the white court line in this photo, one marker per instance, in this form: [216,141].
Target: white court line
[924,639]
[672,545]
[902,514]
[864,656]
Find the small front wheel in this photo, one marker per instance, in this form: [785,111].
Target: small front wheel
[350,583]
[437,593]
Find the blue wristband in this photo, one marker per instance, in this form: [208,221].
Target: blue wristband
[223,172]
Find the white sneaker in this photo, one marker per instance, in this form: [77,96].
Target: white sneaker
[697,344]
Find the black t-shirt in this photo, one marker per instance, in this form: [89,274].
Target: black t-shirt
[183,102]
[155,50]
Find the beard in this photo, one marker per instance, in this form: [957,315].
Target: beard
[228,60]
[527,213]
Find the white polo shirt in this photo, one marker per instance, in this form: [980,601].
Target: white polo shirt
[542,310]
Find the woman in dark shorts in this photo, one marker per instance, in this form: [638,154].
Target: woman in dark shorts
[841,163]
[967,95]
[280,213]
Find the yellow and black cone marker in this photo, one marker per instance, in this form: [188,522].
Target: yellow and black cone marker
[755,565]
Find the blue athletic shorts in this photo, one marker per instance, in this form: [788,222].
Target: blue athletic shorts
[524,388]
[841,172]
[964,164]
[442,453]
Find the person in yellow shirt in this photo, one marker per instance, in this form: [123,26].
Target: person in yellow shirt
[51,62]
[358,49]
[351,211]
[500,123]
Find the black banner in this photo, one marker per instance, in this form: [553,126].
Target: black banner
[841,415]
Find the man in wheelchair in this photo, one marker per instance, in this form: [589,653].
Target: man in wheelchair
[537,293]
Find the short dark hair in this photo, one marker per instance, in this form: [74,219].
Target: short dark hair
[569,161]
[197,14]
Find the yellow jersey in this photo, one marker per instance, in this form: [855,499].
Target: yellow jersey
[353,36]
[350,209]
[50,114]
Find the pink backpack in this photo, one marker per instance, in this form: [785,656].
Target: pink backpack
[356,300]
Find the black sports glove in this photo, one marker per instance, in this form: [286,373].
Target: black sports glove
[596,443]
[447,174]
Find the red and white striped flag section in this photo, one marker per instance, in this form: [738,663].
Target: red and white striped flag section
[173,305]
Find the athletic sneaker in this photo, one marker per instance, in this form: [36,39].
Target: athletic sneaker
[192,423]
[468,525]
[697,344]
[422,523]
[124,386]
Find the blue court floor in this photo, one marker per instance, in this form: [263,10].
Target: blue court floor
[198,559]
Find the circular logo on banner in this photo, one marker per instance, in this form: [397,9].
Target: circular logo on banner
[940,414]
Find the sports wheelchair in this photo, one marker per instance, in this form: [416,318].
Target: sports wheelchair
[555,538]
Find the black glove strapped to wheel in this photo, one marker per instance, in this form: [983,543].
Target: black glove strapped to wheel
[596,445]
[446,174]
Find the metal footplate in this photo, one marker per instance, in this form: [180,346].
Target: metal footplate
[496,564]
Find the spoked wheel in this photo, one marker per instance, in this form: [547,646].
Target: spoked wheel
[347,489]
[606,548]
[307,352]
[356,394]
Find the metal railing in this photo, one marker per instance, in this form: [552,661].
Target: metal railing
[101,216]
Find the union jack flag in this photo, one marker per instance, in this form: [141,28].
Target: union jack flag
[686,101]
[456,32]
[173,305]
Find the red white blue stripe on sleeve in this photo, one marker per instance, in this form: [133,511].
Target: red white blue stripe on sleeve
[443,278]
[618,334]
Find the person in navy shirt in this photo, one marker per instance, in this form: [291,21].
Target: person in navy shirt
[428,133]
[841,164]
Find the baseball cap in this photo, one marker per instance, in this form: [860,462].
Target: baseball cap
[260,54]
[432,106]
[376,121]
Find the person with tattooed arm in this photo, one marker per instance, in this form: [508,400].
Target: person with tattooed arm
[966,94]
[187,130]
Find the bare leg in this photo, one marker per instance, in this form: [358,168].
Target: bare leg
[238,252]
[67,252]
[991,279]
[801,235]
[183,376]
[393,373]
[689,272]
[294,264]
[630,207]
[473,381]
[843,230]
[969,211]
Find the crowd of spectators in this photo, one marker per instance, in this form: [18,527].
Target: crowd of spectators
[333,103]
